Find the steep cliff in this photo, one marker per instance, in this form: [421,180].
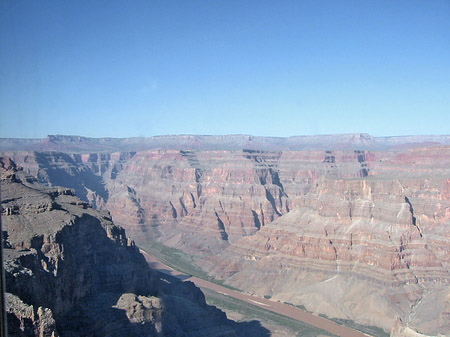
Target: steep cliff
[368,249]
[71,272]
[84,173]
[198,201]
[353,234]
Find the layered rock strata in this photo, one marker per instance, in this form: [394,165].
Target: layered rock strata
[355,234]
[368,249]
[351,141]
[70,271]
[172,195]
[84,173]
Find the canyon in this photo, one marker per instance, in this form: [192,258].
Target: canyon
[353,227]
[70,271]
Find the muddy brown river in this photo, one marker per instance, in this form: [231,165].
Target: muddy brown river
[277,307]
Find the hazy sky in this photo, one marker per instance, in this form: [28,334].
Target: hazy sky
[267,68]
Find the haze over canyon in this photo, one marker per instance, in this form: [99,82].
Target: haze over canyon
[353,227]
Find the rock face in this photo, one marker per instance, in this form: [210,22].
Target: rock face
[347,229]
[400,330]
[26,320]
[71,271]
[366,248]
[199,201]
[84,173]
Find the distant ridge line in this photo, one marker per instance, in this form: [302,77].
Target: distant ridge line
[350,141]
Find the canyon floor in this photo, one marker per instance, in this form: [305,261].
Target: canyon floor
[216,294]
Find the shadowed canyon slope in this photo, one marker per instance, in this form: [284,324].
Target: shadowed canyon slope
[71,271]
[354,227]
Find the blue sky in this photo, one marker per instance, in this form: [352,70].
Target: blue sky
[267,68]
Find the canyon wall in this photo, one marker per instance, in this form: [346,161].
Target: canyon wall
[71,271]
[198,201]
[353,234]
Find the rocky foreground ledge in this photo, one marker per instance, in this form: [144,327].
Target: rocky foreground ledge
[71,272]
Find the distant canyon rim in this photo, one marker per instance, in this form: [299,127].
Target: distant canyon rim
[349,226]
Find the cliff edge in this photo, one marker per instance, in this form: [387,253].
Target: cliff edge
[71,272]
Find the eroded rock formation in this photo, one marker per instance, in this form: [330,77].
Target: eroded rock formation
[365,248]
[71,271]
[350,231]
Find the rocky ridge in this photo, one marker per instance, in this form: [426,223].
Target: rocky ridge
[71,271]
[352,141]
[294,225]
[174,195]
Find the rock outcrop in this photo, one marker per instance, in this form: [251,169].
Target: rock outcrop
[84,173]
[400,330]
[70,271]
[28,320]
[353,231]
[366,248]
[176,195]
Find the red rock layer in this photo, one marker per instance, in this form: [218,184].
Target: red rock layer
[224,195]
[368,249]
[352,234]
